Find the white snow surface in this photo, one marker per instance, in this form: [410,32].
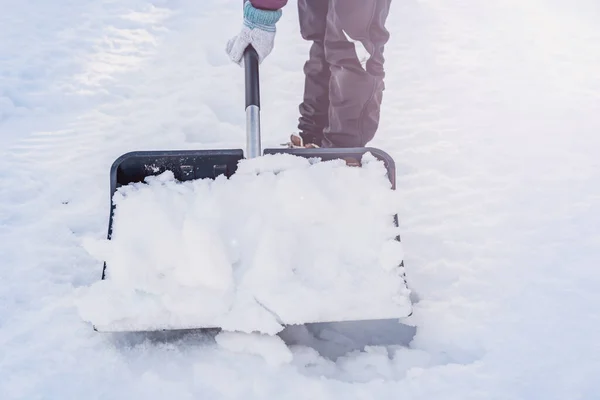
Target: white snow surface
[490,112]
[271,348]
[285,240]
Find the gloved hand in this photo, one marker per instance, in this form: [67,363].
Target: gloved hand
[258,30]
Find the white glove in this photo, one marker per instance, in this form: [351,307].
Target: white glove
[258,31]
[261,41]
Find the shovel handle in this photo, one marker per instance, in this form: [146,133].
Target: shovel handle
[252,77]
[253,141]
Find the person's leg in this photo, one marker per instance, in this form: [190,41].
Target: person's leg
[314,108]
[356,85]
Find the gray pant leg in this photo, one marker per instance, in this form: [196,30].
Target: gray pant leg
[314,108]
[355,90]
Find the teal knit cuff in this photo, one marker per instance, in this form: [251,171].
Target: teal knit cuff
[260,19]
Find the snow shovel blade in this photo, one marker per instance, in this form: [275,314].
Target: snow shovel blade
[201,164]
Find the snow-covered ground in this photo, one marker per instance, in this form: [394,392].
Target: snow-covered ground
[490,113]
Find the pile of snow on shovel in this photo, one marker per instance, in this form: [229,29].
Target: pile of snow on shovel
[285,240]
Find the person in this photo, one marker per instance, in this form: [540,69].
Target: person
[344,74]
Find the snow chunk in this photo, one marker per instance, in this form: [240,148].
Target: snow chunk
[285,240]
[271,348]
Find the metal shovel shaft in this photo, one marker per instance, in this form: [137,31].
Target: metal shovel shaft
[253,140]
